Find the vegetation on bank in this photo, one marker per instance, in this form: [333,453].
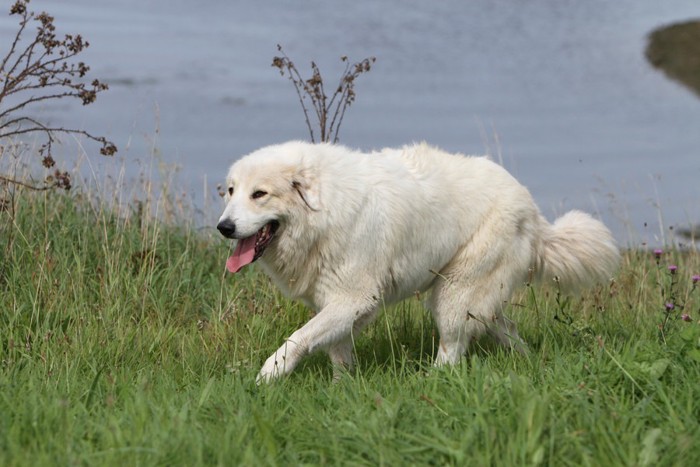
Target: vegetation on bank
[123,341]
[675,49]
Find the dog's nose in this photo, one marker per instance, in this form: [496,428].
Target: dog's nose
[227,228]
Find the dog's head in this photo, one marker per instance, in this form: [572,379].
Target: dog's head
[263,192]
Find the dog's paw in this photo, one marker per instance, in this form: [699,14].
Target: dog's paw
[281,362]
[271,370]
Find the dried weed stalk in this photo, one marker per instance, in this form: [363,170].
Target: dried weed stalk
[329,112]
[34,72]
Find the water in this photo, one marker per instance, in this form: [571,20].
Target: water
[558,90]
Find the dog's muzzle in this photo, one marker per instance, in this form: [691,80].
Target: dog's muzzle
[227,228]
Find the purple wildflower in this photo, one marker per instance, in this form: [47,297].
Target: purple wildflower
[672,268]
[695,278]
[686,317]
[658,252]
[670,306]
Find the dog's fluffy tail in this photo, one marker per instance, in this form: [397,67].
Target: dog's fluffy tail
[578,251]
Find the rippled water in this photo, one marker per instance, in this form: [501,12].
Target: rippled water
[558,90]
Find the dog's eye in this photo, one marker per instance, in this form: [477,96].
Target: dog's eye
[258,194]
[230,191]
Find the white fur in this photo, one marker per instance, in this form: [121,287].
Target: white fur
[361,230]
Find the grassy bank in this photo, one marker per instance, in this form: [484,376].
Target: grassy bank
[123,342]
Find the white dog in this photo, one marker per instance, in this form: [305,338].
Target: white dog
[347,232]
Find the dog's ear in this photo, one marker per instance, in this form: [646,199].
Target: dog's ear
[308,190]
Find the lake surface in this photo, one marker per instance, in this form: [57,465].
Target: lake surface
[558,90]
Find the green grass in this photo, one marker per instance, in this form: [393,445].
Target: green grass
[124,342]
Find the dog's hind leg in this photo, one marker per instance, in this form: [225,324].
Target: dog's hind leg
[471,292]
[466,312]
[456,324]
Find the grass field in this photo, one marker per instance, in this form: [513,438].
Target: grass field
[124,342]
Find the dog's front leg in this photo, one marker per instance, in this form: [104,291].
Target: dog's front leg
[332,325]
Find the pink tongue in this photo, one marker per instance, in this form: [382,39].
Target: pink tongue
[242,255]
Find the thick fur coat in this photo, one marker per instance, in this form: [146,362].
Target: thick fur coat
[348,232]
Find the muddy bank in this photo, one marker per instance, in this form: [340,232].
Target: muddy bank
[675,50]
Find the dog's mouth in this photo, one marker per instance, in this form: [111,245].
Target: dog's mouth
[251,248]
[263,238]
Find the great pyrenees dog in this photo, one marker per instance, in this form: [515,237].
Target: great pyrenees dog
[348,232]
